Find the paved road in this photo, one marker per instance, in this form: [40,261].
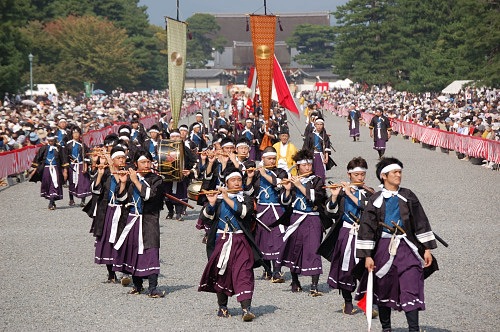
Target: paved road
[48,280]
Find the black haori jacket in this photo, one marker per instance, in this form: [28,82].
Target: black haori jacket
[152,198]
[328,245]
[39,161]
[244,215]
[324,138]
[415,222]
[99,202]
[385,126]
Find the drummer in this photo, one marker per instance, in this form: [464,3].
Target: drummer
[178,189]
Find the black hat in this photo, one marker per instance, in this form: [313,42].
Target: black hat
[284,130]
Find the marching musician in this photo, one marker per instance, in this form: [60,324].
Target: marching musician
[197,138]
[108,197]
[151,143]
[50,166]
[242,153]
[319,142]
[78,178]
[61,133]
[220,121]
[395,239]
[249,133]
[137,132]
[353,122]
[231,250]
[347,201]
[304,194]
[203,127]
[380,131]
[217,164]
[179,189]
[138,243]
[266,182]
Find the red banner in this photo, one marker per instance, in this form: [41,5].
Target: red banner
[470,145]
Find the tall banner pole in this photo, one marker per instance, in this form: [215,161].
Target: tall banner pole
[263,29]
[176,39]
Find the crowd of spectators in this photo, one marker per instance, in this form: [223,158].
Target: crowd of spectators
[472,111]
[25,121]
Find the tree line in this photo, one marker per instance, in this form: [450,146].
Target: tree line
[413,45]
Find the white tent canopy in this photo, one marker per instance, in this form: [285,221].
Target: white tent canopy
[455,87]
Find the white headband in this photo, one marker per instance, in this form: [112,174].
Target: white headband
[233,175]
[249,120]
[154,131]
[304,161]
[118,154]
[175,134]
[269,154]
[227,144]
[142,158]
[196,125]
[319,121]
[242,144]
[124,137]
[389,168]
[357,169]
[125,130]
[183,128]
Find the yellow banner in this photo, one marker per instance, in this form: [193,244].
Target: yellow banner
[263,28]
[176,39]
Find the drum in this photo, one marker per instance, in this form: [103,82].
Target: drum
[194,190]
[170,160]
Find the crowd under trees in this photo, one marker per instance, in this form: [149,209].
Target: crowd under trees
[412,45]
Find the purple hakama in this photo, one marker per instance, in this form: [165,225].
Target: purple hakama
[339,279]
[104,250]
[78,182]
[128,259]
[298,252]
[252,153]
[379,144]
[402,288]
[48,189]
[354,132]
[269,242]
[318,165]
[238,278]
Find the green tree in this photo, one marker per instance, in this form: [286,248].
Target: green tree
[13,48]
[83,49]
[315,45]
[363,41]
[203,29]
[126,14]
[418,45]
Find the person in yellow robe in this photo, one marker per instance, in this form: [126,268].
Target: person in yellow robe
[286,150]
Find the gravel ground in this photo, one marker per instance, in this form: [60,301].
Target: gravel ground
[50,283]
